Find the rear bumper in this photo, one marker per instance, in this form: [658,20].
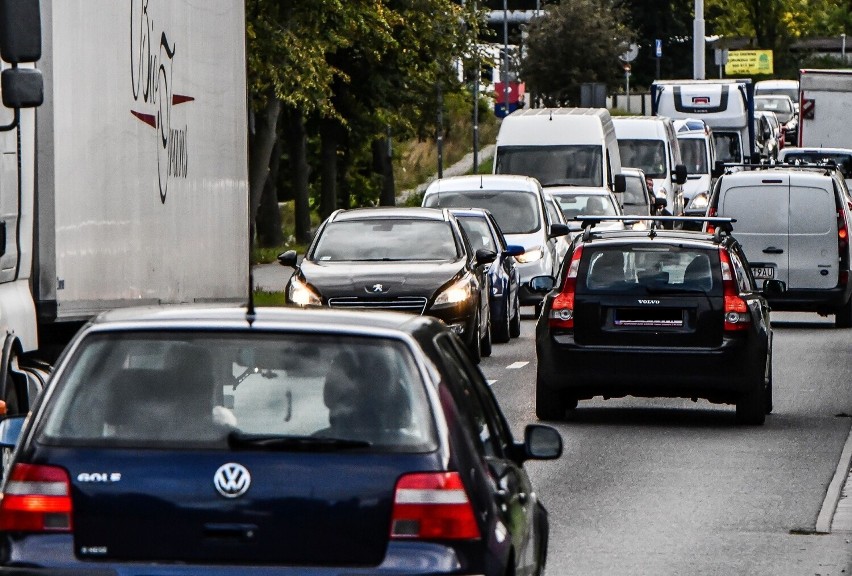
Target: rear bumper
[717,374]
[822,301]
[401,558]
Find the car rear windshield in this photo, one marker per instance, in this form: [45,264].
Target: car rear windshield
[386,239]
[516,212]
[659,268]
[595,204]
[224,390]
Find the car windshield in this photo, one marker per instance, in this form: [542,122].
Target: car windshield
[727,146]
[693,151]
[647,155]
[841,160]
[781,106]
[516,212]
[635,195]
[293,390]
[385,239]
[660,268]
[586,204]
[578,165]
[478,232]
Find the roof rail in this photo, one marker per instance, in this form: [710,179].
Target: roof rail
[589,221]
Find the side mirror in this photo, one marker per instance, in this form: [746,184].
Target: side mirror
[620,183]
[774,287]
[557,230]
[20,31]
[542,442]
[514,250]
[288,258]
[718,169]
[542,284]
[22,87]
[680,174]
[484,256]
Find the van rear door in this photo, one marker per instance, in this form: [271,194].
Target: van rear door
[761,208]
[813,233]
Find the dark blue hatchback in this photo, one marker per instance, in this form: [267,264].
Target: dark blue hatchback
[504,280]
[198,440]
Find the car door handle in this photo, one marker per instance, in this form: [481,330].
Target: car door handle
[773,250]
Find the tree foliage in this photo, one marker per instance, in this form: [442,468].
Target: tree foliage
[574,42]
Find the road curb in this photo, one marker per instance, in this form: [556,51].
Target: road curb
[832,495]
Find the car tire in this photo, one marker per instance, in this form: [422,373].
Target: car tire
[843,317]
[515,323]
[768,399]
[751,405]
[474,343]
[485,341]
[551,404]
[502,330]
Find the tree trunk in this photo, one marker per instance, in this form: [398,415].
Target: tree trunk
[262,142]
[297,143]
[382,161]
[330,136]
[268,221]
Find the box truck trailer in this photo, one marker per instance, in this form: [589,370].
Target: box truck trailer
[825,102]
[128,185]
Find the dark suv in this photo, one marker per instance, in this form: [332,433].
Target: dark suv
[656,313]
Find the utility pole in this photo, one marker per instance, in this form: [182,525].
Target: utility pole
[698,48]
[506,55]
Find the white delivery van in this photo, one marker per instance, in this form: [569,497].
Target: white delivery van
[726,106]
[793,224]
[561,147]
[698,152]
[650,144]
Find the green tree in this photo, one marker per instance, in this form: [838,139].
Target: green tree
[574,42]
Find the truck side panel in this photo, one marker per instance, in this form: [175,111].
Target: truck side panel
[142,169]
[826,98]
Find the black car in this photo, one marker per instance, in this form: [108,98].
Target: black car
[503,277]
[193,440]
[415,260]
[655,313]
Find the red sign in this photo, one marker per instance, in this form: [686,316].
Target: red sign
[808,108]
[516,92]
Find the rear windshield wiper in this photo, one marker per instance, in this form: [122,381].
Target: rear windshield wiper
[675,290]
[240,441]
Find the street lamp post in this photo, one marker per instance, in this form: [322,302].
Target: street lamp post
[698,41]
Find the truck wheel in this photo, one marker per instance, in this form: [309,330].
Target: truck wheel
[843,317]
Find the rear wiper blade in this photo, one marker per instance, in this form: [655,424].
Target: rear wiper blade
[238,441]
[674,290]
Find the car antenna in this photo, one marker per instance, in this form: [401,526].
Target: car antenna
[481,184]
[250,313]
[551,115]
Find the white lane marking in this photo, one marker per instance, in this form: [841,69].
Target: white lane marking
[516,365]
[832,495]
[491,382]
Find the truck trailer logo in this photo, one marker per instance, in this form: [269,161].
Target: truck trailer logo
[152,59]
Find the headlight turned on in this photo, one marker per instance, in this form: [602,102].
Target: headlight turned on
[459,291]
[530,256]
[302,295]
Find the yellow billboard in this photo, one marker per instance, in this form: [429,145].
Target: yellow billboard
[748,62]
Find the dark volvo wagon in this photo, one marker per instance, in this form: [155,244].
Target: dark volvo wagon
[655,313]
[195,440]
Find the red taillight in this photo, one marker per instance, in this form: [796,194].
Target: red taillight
[433,506]
[736,309]
[711,229]
[562,309]
[36,499]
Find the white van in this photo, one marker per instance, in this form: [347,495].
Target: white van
[650,144]
[698,152]
[561,147]
[793,224]
[726,106]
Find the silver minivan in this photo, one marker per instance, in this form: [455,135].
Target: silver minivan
[793,224]
[518,203]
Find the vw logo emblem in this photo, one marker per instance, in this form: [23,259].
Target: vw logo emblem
[232,480]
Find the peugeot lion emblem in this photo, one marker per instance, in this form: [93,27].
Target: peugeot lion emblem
[377,288]
[232,480]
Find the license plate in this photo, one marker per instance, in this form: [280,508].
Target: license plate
[763,272]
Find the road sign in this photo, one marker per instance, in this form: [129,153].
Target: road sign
[658,48]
